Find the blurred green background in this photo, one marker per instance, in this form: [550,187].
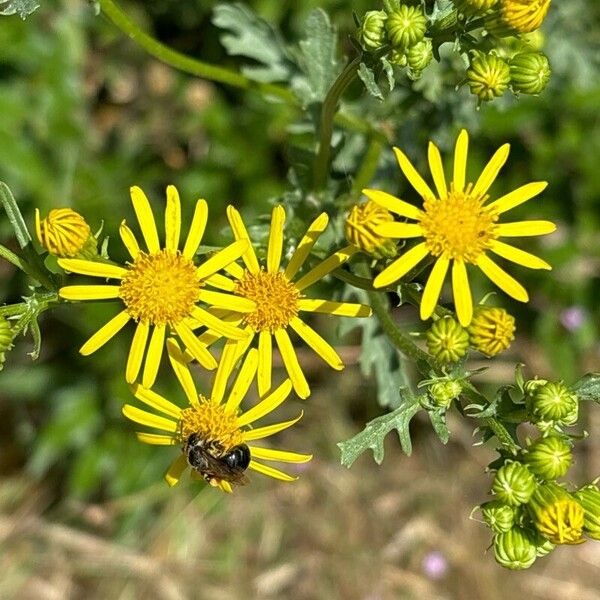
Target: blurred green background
[84,114]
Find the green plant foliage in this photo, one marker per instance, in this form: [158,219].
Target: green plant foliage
[23,8]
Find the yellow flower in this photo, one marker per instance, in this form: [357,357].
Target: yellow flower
[65,233]
[279,300]
[216,422]
[359,229]
[492,330]
[160,288]
[459,227]
[524,16]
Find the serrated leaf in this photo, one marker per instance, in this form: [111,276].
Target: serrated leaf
[388,69]
[23,8]
[368,78]
[373,435]
[14,215]
[254,38]
[588,387]
[438,422]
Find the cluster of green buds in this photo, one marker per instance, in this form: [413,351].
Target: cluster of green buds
[6,339]
[550,405]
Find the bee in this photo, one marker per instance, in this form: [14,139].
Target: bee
[213,463]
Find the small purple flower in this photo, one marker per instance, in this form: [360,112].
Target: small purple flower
[573,318]
[434,565]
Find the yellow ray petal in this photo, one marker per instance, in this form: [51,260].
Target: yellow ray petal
[194,237]
[235,270]
[267,405]
[502,279]
[460,160]
[522,194]
[525,228]
[243,381]
[182,371]
[491,170]
[340,309]
[222,259]
[172,219]
[325,267]
[275,247]
[462,293]
[315,229]
[94,269]
[197,349]
[38,227]
[265,362]
[437,169]
[225,329]
[225,486]
[136,351]
[232,352]
[264,432]
[89,292]
[401,266]
[393,229]
[221,282]
[105,333]
[270,471]
[155,350]
[433,287]
[229,301]
[129,240]
[518,256]
[179,465]
[393,204]
[156,439]
[317,343]
[145,218]
[240,233]
[413,175]
[148,419]
[155,400]
[279,455]
[290,361]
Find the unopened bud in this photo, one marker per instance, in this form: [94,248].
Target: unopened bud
[64,233]
[513,484]
[529,72]
[499,517]
[360,227]
[447,340]
[419,56]
[491,330]
[515,549]
[406,26]
[6,338]
[443,392]
[549,457]
[372,34]
[474,7]
[589,498]
[488,76]
[553,402]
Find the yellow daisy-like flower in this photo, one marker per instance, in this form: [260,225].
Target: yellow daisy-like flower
[279,297]
[65,233]
[459,226]
[160,288]
[215,425]
[524,16]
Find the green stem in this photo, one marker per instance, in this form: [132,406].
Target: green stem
[368,167]
[27,268]
[185,63]
[328,110]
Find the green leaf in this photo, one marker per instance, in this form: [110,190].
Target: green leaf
[14,215]
[373,435]
[388,69]
[588,387]
[438,421]
[368,78]
[317,59]
[254,38]
[21,7]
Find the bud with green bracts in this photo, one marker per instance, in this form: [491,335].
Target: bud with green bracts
[556,514]
[447,340]
[406,26]
[543,546]
[499,517]
[6,338]
[488,76]
[419,56]
[474,7]
[372,34]
[589,497]
[553,402]
[530,386]
[529,72]
[514,483]
[515,549]
[549,458]
[443,392]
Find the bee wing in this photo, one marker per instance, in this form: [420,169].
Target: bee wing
[217,469]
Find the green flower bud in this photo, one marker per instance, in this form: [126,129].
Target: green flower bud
[553,402]
[499,517]
[549,458]
[533,384]
[398,58]
[419,56]
[515,549]
[488,76]
[543,546]
[6,338]
[474,7]
[443,392]
[589,498]
[491,330]
[513,484]
[447,341]
[529,72]
[372,34]
[556,514]
[406,26]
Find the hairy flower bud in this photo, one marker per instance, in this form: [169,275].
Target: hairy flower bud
[549,458]
[443,392]
[589,498]
[557,515]
[64,233]
[372,34]
[447,341]
[6,338]
[360,227]
[406,26]
[492,330]
[529,72]
[515,549]
[499,517]
[488,76]
[553,402]
[513,484]
[419,56]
